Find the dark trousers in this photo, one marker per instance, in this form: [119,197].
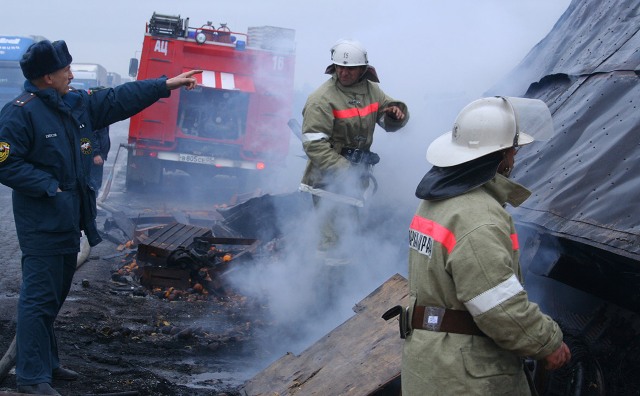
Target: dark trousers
[46,281]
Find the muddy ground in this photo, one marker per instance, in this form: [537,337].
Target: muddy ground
[123,337]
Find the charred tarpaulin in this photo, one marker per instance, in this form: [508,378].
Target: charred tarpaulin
[572,282]
[580,229]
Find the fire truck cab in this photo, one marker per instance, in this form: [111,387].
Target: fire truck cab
[234,122]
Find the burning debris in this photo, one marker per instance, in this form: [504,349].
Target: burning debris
[191,270]
[177,261]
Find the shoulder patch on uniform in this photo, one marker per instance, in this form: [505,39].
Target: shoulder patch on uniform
[85,146]
[23,99]
[5,148]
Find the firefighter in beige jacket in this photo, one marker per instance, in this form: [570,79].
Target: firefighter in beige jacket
[339,119]
[471,321]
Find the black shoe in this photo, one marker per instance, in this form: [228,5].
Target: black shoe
[38,389]
[64,374]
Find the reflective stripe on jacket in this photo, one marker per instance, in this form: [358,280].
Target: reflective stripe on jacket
[335,116]
[464,255]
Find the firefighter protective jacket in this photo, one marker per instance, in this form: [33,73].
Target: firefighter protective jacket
[464,255]
[45,144]
[335,117]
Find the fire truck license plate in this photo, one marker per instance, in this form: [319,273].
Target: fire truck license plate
[197,159]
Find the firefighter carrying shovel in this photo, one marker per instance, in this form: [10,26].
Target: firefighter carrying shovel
[339,119]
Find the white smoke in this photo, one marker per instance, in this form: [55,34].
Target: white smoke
[434,56]
[449,56]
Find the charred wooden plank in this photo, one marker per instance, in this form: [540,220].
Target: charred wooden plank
[363,353]
[165,277]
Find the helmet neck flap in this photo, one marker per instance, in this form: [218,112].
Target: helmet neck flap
[447,182]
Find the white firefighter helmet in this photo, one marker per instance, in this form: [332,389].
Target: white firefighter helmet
[488,125]
[349,53]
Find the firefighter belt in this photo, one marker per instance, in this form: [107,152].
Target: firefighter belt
[434,319]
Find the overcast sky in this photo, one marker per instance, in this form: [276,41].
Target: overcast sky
[418,41]
[434,55]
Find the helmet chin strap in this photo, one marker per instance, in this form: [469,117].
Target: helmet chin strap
[503,168]
[364,72]
[506,172]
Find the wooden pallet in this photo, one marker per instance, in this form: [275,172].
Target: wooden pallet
[165,277]
[155,249]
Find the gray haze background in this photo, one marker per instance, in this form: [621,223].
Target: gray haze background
[434,55]
[415,44]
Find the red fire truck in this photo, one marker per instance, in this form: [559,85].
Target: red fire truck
[234,123]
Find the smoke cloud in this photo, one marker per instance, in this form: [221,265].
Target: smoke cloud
[434,56]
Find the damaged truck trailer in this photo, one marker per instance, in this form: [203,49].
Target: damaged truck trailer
[580,230]
[234,123]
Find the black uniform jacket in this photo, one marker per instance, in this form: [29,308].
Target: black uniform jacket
[46,144]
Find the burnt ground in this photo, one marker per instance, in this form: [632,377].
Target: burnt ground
[123,337]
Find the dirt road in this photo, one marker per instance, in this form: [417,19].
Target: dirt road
[122,338]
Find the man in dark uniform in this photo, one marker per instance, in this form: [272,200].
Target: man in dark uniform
[101,145]
[46,156]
